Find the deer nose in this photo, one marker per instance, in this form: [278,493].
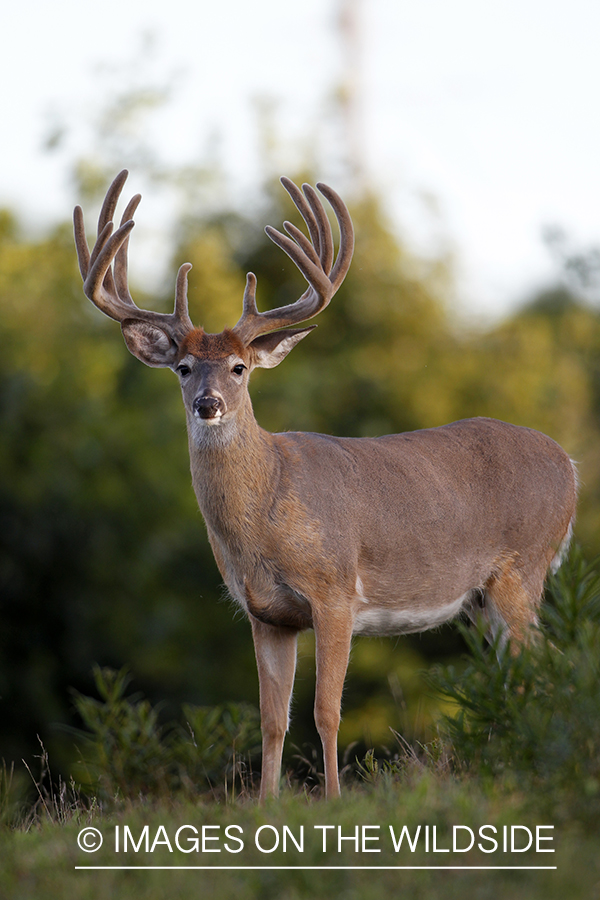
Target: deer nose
[208,407]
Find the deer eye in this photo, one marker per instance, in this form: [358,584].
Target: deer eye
[183,371]
[239,369]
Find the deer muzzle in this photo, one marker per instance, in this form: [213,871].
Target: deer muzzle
[208,407]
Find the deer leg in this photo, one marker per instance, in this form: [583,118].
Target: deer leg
[512,601]
[333,638]
[275,650]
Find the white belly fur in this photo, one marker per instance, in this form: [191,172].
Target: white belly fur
[382,620]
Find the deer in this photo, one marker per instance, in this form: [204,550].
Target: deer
[346,536]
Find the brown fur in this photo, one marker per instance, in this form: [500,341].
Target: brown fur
[288,611]
[313,531]
[212,346]
[516,604]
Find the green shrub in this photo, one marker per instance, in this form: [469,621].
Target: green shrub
[534,715]
[126,752]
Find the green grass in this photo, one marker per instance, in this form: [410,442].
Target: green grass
[523,750]
[40,862]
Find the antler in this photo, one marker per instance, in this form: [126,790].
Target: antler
[104,270]
[314,258]
[108,289]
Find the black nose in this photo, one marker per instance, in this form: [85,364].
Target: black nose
[208,407]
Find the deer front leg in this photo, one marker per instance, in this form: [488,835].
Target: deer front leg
[333,638]
[275,650]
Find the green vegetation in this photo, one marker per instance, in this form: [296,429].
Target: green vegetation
[533,718]
[512,775]
[41,863]
[127,753]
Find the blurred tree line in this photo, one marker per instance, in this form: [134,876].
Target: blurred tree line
[103,553]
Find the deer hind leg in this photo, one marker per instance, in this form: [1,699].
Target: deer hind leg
[276,650]
[510,601]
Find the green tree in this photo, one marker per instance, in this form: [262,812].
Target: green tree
[103,556]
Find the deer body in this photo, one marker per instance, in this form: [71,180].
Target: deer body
[281,541]
[346,536]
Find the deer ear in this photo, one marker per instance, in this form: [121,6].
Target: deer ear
[149,343]
[270,349]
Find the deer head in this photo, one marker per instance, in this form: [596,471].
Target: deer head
[214,368]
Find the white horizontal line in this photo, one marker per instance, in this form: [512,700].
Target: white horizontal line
[320,868]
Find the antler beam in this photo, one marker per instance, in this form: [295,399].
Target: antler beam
[313,258]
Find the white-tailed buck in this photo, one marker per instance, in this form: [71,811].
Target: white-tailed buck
[347,536]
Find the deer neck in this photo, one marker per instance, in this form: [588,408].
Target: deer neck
[234,470]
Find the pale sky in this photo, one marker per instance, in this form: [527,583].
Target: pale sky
[489,110]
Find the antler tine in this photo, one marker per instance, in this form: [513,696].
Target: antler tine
[99,285]
[180,314]
[313,258]
[121,262]
[325,234]
[313,213]
[249,308]
[302,240]
[346,248]
[107,212]
[83,253]
[303,208]
[104,270]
